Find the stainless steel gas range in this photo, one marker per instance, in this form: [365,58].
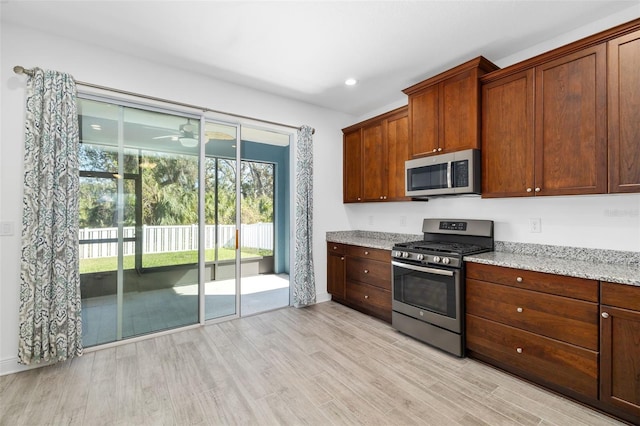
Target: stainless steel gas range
[428,280]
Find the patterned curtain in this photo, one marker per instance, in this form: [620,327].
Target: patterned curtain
[50,305]
[304,282]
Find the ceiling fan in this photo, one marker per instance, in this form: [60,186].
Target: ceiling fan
[185,135]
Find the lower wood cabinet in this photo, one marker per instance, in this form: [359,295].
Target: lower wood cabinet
[620,348]
[575,336]
[360,277]
[535,326]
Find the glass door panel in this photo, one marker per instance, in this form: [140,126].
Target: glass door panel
[220,220]
[138,220]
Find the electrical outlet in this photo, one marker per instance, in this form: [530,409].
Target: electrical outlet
[6,228]
[370,220]
[535,225]
[403,221]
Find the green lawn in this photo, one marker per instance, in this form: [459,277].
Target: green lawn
[103,264]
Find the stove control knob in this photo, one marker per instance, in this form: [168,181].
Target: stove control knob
[395,253]
[446,260]
[405,254]
[420,256]
[436,259]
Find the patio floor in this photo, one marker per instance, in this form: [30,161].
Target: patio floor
[155,310]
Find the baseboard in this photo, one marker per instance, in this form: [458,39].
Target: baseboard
[10,366]
[323,297]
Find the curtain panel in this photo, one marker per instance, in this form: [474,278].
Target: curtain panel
[50,305]
[304,286]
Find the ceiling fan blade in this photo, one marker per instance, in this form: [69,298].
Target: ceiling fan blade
[174,137]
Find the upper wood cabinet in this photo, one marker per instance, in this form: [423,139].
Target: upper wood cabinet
[565,122]
[374,154]
[507,135]
[444,111]
[624,113]
[352,166]
[544,128]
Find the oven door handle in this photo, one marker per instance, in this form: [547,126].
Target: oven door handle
[423,269]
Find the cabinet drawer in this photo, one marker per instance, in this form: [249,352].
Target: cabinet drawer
[370,272]
[576,288]
[569,320]
[621,296]
[368,296]
[369,253]
[535,357]
[336,248]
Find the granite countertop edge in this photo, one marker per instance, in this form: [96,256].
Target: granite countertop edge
[531,257]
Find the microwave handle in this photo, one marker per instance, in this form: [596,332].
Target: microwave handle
[449,174]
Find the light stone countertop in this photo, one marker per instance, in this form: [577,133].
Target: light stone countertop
[621,267]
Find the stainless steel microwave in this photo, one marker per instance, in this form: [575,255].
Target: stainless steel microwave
[444,174]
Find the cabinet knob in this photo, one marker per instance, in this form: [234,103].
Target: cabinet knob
[366,253]
[382,197]
[439,149]
[519,350]
[385,197]
[519,309]
[529,189]
[366,271]
[519,279]
[605,315]
[359,198]
[537,189]
[335,247]
[342,258]
[366,296]
[434,150]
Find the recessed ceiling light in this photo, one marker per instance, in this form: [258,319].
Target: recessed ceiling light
[350,81]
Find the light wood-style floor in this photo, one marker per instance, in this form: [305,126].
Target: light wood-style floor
[321,365]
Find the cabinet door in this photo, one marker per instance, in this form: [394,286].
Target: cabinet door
[398,153]
[620,358]
[336,273]
[507,136]
[423,111]
[352,167]
[624,113]
[374,161]
[571,124]
[459,106]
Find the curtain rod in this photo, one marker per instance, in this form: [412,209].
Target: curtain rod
[18,69]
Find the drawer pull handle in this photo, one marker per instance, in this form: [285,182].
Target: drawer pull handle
[366,296]
[519,309]
[605,315]
[519,279]
[366,271]
[366,253]
[519,350]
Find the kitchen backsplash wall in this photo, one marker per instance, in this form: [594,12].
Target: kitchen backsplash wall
[591,221]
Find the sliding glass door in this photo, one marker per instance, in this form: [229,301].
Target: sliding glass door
[178,224]
[138,237]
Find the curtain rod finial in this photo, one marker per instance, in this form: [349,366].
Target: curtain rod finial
[18,69]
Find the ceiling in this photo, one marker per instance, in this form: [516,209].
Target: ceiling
[305,50]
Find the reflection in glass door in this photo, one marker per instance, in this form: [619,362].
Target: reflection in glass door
[138,221]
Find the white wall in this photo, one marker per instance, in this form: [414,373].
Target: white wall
[605,221]
[99,66]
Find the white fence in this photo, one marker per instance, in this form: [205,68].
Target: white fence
[164,239]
